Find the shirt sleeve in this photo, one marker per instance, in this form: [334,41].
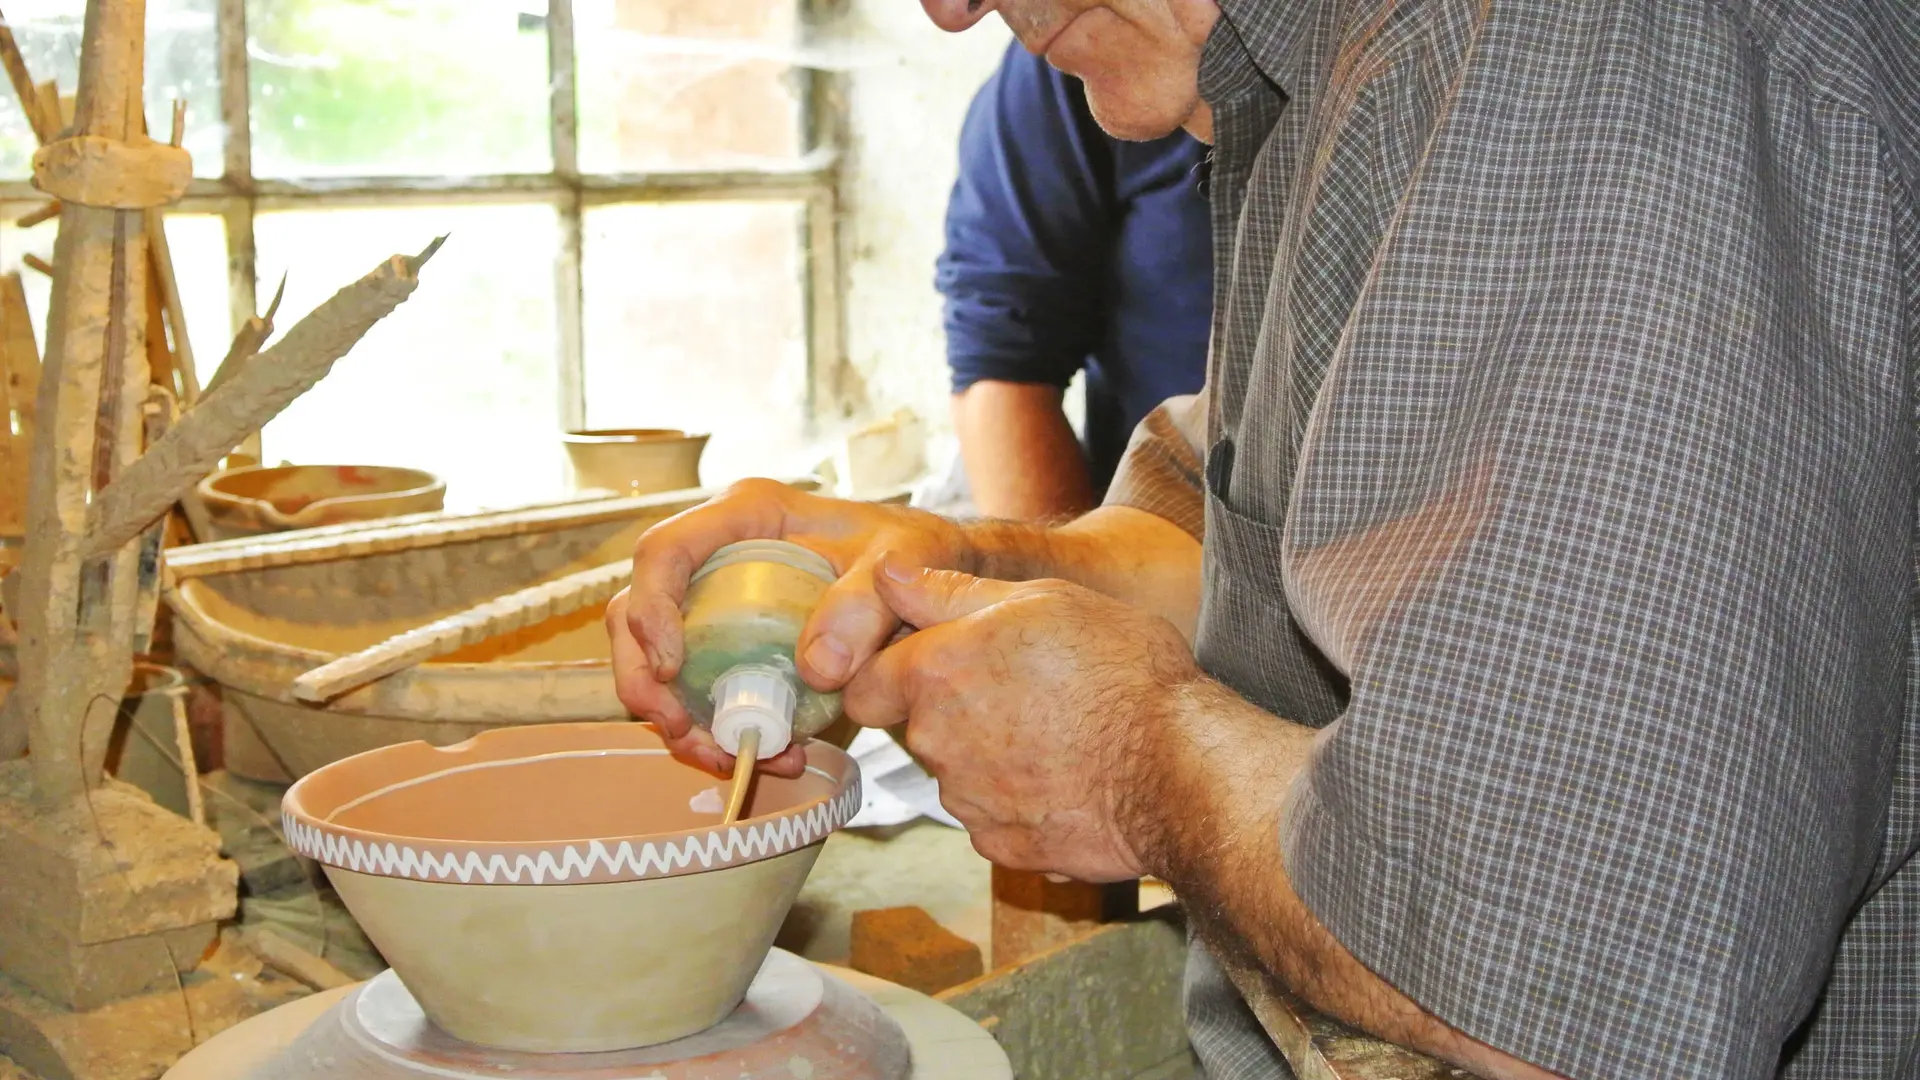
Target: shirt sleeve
[1161,471]
[1028,227]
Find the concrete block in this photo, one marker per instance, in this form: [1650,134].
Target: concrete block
[106,866]
[89,976]
[904,945]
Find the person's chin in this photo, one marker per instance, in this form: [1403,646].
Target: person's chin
[1129,89]
[1131,109]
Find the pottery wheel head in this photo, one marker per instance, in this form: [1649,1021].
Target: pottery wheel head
[796,1023]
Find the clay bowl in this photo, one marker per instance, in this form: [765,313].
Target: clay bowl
[254,500]
[566,887]
[635,461]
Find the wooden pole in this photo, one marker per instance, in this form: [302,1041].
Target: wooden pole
[77,611]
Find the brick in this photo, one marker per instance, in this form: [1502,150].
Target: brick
[905,945]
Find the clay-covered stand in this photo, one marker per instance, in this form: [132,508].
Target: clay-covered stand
[563,900]
[110,902]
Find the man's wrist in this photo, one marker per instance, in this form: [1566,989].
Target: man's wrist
[1006,550]
[1163,800]
[1212,771]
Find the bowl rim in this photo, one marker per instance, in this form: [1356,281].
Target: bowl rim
[631,436]
[579,860]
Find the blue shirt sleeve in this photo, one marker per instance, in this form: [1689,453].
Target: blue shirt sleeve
[1029,228]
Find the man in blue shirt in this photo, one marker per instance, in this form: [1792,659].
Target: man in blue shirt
[1067,249]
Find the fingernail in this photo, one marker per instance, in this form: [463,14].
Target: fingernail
[828,658]
[898,571]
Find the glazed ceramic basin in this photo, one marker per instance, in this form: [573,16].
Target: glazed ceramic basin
[635,461]
[566,887]
[254,500]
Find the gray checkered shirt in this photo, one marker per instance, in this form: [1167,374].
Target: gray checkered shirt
[1559,448]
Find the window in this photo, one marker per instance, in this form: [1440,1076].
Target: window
[638,195]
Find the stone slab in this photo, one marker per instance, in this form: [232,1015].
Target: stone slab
[1107,1004]
[89,976]
[107,865]
[246,813]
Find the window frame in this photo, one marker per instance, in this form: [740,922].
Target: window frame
[237,196]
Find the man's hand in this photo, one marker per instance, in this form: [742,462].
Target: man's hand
[849,626]
[1034,704]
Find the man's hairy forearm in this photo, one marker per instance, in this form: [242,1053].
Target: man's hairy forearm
[1128,554]
[1208,797]
[1023,461]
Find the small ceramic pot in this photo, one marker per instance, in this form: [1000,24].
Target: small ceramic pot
[253,500]
[635,461]
[566,887]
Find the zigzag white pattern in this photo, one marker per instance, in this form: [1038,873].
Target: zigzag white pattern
[578,862]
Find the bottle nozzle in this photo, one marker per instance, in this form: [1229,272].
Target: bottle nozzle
[756,696]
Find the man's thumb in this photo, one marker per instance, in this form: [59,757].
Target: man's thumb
[924,598]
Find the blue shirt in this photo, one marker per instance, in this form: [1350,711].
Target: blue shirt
[1070,249]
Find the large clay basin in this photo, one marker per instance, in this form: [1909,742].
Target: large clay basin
[256,630]
[567,887]
[254,500]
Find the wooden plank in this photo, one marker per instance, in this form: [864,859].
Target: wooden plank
[420,531]
[501,615]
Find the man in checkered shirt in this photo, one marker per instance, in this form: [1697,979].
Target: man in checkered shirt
[1512,650]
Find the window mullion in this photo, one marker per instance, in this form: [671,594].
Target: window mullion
[564,126]
[237,171]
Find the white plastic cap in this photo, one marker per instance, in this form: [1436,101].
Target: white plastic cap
[753,696]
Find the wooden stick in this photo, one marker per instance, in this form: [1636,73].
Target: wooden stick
[295,962]
[193,446]
[189,389]
[189,765]
[34,217]
[46,94]
[23,87]
[502,615]
[159,415]
[20,374]
[743,762]
[247,341]
[35,262]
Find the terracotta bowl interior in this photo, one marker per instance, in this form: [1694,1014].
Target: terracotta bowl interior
[291,488]
[534,785]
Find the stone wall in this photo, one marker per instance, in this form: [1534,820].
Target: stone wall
[905,96]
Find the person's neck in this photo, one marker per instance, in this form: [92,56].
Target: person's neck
[1199,123]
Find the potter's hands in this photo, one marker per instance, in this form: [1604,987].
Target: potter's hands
[847,628]
[1036,705]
